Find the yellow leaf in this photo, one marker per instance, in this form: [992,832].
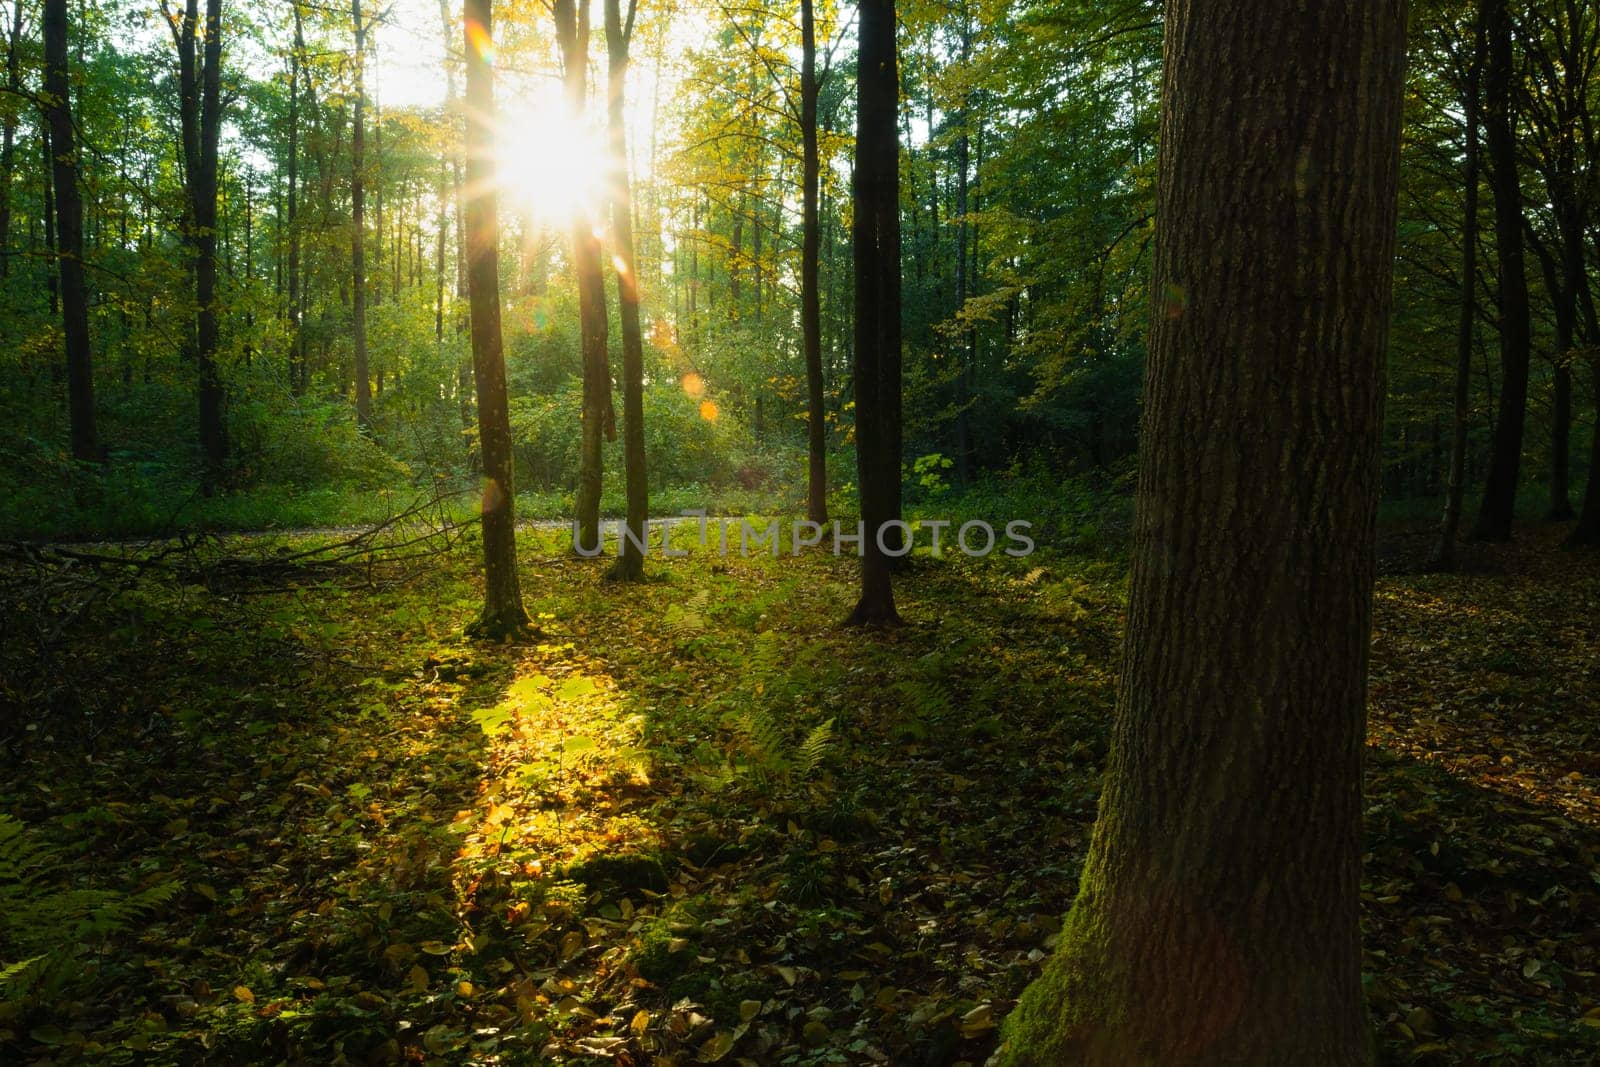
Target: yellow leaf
[244,994]
[641,1022]
[571,945]
[716,1048]
[418,979]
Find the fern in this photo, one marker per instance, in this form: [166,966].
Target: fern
[769,753]
[809,755]
[49,926]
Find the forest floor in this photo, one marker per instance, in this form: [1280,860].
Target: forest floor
[694,822]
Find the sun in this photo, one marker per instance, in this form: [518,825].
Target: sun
[550,165]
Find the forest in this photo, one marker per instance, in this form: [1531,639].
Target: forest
[1007,532]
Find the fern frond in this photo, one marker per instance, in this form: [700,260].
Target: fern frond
[814,747]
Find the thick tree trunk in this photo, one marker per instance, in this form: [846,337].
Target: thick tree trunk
[630,564]
[1217,915]
[358,250]
[503,614]
[69,230]
[810,298]
[572,31]
[1500,494]
[877,296]
[1444,552]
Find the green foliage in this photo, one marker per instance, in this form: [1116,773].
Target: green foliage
[46,928]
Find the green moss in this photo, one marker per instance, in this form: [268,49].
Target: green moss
[657,960]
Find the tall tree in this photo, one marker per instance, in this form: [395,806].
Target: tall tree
[8,131]
[630,564]
[810,296]
[877,332]
[69,232]
[297,351]
[1217,914]
[200,127]
[572,31]
[358,250]
[1444,552]
[1516,328]
[503,614]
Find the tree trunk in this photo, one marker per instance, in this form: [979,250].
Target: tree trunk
[966,348]
[48,218]
[810,298]
[8,133]
[503,614]
[1444,552]
[69,230]
[297,352]
[1587,532]
[1500,494]
[572,29]
[630,564]
[358,251]
[877,271]
[200,127]
[1217,914]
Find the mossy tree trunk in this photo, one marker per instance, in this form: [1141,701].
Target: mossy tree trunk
[1216,918]
[503,613]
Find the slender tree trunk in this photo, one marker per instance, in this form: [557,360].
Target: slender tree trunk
[200,127]
[877,270]
[69,228]
[1217,914]
[8,133]
[1444,552]
[1500,495]
[297,353]
[810,297]
[503,614]
[52,275]
[964,370]
[438,258]
[1587,532]
[358,251]
[572,30]
[630,564]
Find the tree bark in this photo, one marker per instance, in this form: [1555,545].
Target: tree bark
[630,563]
[8,133]
[810,297]
[877,275]
[1217,915]
[1500,494]
[358,251]
[503,614]
[200,129]
[1444,552]
[297,353]
[69,231]
[572,31]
